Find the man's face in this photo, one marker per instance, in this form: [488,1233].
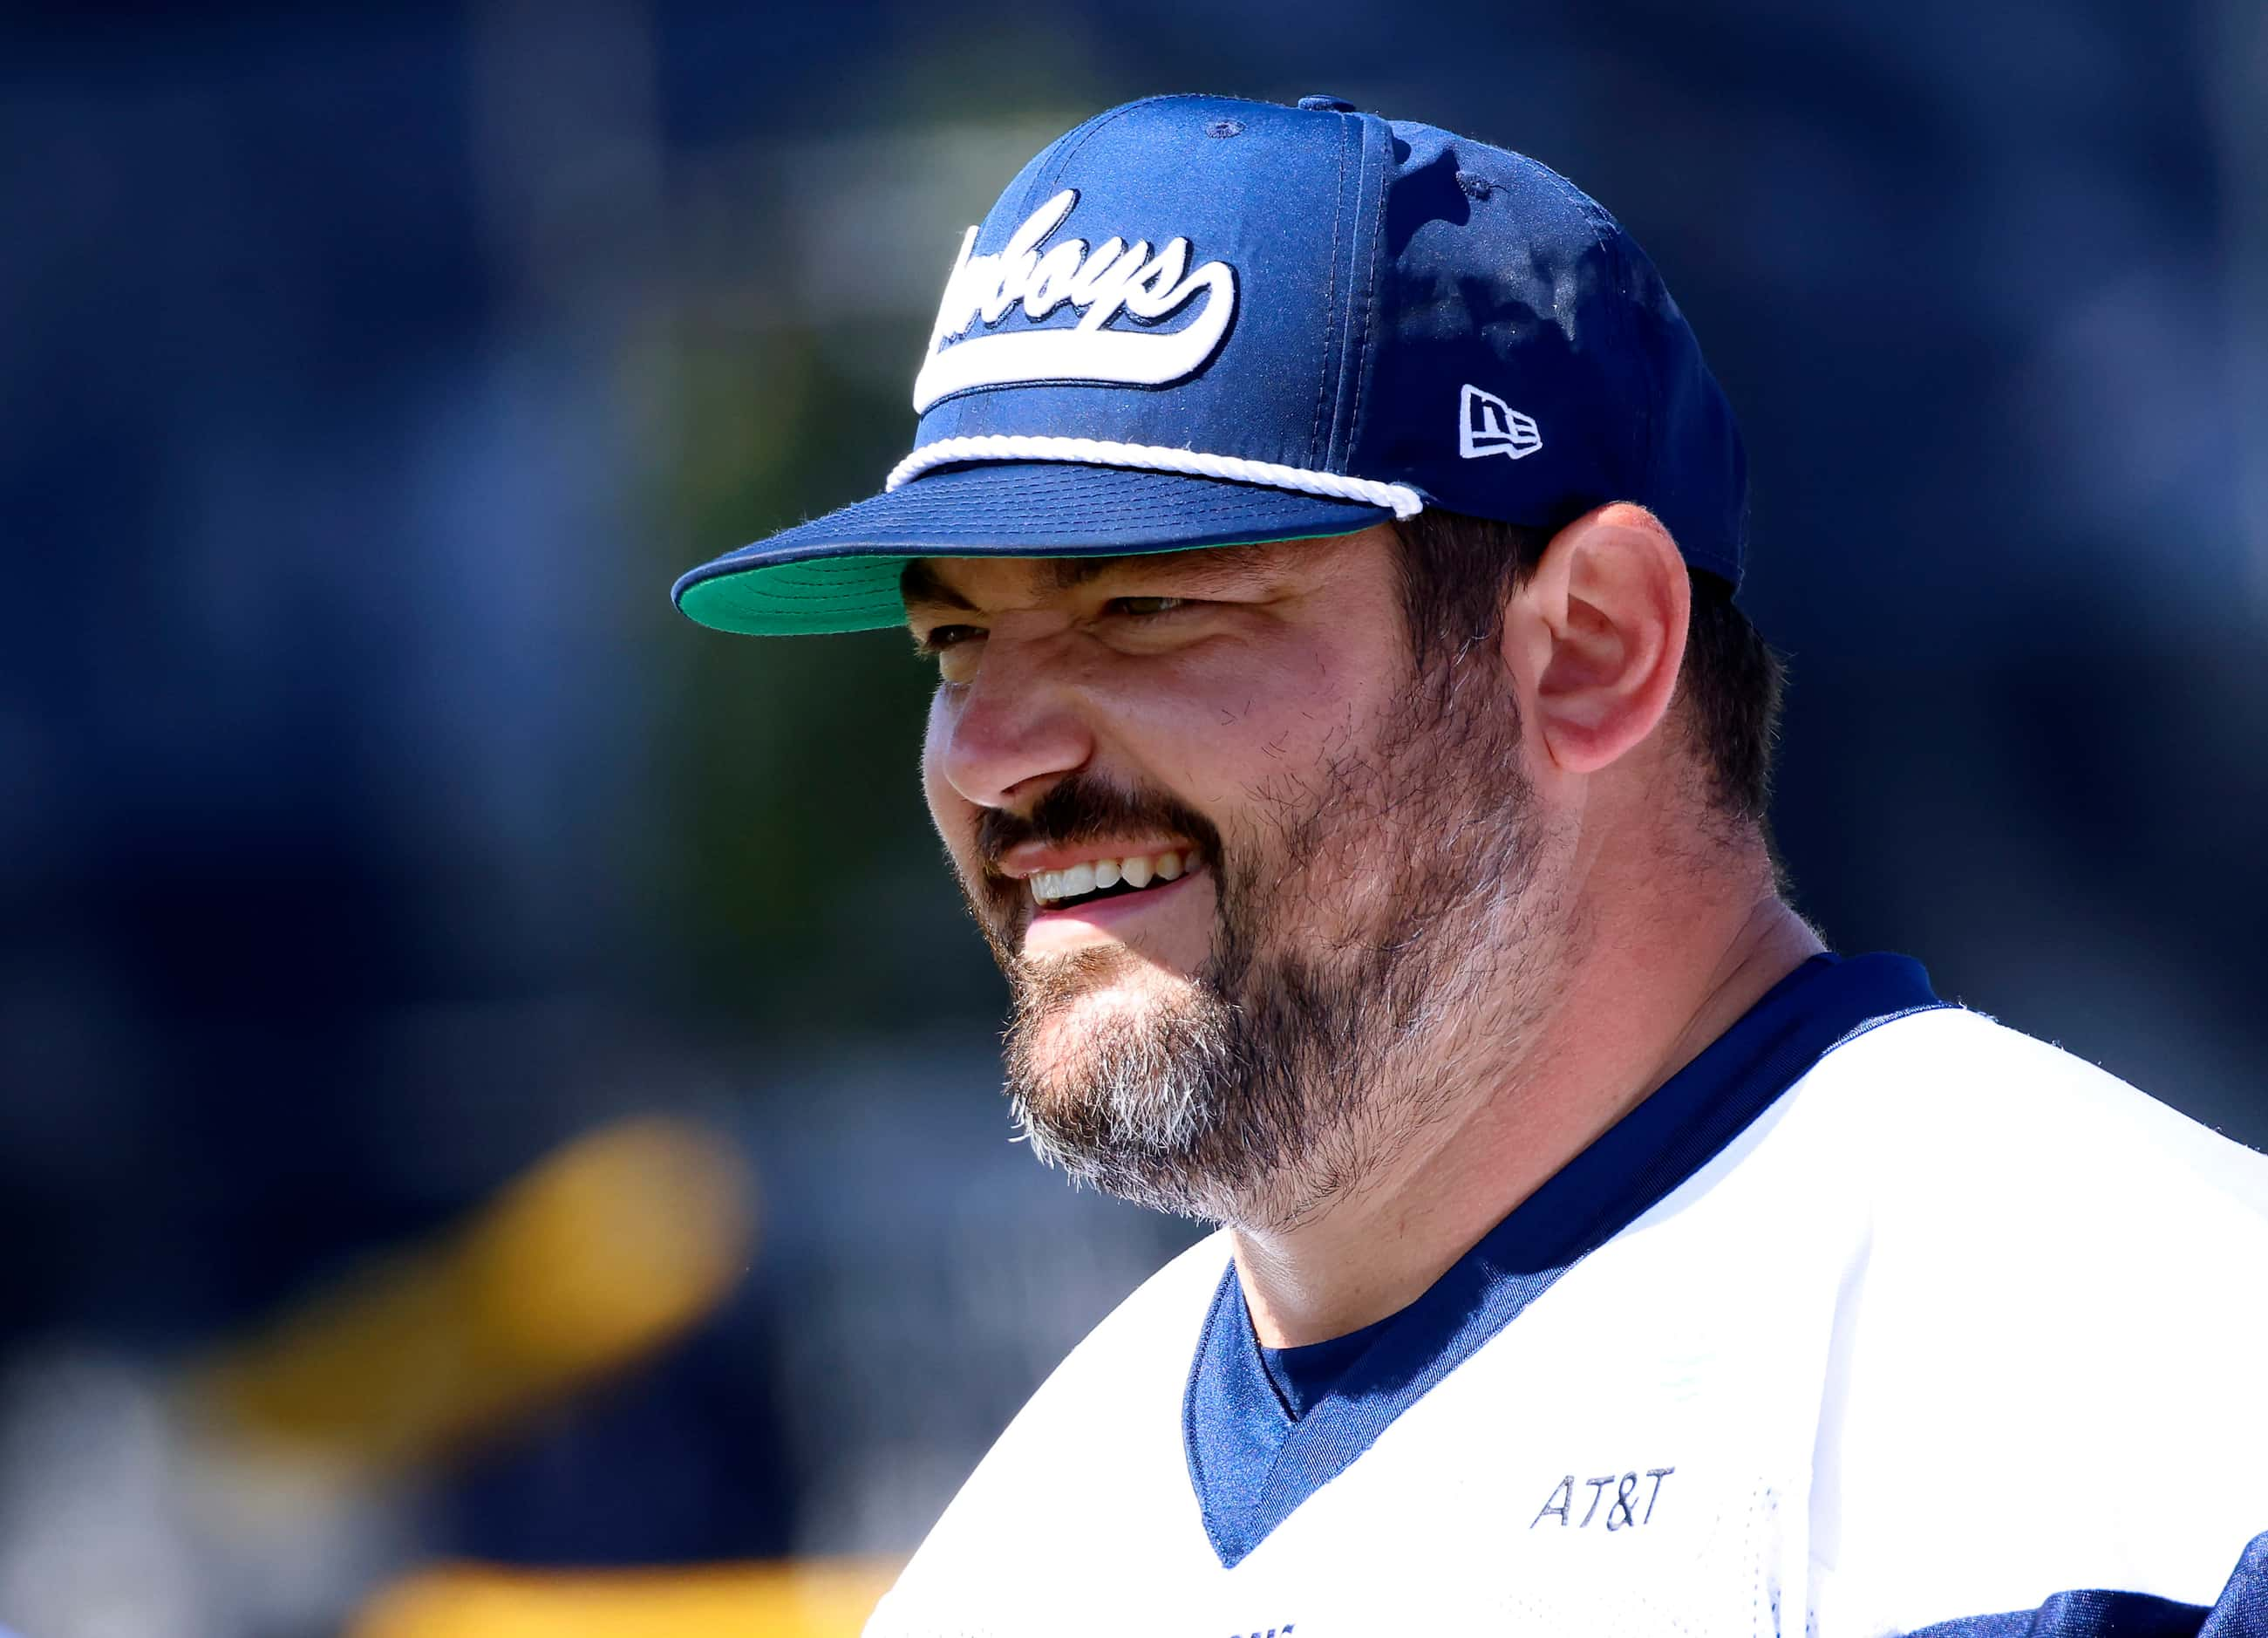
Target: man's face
[1239,861]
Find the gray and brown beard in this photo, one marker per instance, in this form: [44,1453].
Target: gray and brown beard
[1360,947]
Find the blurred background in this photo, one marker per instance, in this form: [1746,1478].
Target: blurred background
[498,1120]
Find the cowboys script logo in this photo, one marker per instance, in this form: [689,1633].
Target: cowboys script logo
[1112,277]
[1487,425]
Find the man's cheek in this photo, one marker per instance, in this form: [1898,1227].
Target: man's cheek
[956,821]
[953,815]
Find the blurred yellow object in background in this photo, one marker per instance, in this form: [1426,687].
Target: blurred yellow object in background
[608,1247]
[829,1598]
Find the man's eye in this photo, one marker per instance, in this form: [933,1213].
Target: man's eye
[956,649]
[936,639]
[1144,607]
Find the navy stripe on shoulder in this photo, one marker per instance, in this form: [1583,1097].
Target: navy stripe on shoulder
[2241,1612]
[2082,1615]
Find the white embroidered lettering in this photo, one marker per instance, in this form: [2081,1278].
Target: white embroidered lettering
[1113,277]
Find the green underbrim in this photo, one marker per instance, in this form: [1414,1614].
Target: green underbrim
[859,592]
[813,598]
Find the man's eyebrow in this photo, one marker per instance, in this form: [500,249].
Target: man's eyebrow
[1202,564]
[918,586]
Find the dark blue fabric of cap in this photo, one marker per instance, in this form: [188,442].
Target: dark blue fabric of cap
[1198,321]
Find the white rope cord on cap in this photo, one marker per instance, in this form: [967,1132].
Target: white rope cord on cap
[1404,501]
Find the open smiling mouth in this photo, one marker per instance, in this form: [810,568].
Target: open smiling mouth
[1094,880]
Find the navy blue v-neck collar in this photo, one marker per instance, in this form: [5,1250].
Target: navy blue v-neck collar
[1252,1462]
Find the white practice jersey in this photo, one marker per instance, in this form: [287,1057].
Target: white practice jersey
[1878,1317]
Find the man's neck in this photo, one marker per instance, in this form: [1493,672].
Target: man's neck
[1650,996]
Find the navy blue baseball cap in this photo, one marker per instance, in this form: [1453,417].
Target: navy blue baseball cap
[1204,321]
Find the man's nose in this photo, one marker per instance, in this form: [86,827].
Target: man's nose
[1015,729]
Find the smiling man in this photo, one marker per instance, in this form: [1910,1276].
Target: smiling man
[1327,531]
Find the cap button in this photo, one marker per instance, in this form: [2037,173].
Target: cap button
[1327,105]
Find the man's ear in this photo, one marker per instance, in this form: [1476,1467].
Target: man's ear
[1600,629]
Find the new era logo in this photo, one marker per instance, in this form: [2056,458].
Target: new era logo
[1487,425]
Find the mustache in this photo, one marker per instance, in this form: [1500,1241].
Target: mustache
[1081,808]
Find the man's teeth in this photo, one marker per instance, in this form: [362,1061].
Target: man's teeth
[1052,887]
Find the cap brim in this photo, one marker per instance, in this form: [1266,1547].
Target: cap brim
[840,573]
